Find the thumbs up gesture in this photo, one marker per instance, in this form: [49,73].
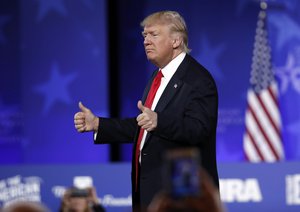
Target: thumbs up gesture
[85,120]
[147,119]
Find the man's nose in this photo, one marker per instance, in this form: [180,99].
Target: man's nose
[146,40]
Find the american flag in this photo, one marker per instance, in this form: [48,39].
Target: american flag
[262,138]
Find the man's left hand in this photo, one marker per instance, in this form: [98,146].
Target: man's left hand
[147,119]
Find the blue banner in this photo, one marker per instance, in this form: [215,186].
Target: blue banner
[244,187]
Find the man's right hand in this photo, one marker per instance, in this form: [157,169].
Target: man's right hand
[85,120]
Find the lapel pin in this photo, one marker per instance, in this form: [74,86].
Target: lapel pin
[175,86]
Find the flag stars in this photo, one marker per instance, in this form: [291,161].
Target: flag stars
[261,74]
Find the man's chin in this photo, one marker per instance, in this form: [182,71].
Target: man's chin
[150,57]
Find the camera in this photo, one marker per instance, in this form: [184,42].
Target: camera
[181,172]
[77,192]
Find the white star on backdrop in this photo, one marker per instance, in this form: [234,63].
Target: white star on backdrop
[209,55]
[289,74]
[56,88]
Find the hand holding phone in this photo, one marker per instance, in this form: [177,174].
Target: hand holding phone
[181,173]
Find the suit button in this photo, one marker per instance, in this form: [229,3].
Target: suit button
[145,154]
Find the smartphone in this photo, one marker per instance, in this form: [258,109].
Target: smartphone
[181,172]
[77,192]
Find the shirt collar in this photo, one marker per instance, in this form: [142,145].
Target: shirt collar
[169,70]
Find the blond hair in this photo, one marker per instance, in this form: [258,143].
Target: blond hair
[175,22]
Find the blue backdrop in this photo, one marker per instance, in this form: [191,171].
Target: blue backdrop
[53,54]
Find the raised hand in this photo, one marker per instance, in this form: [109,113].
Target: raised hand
[85,120]
[147,119]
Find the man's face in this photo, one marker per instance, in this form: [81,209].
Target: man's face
[158,44]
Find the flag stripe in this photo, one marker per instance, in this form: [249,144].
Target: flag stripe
[269,127]
[252,149]
[272,108]
[262,131]
[257,137]
[274,94]
[267,106]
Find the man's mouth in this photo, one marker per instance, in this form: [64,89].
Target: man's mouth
[149,50]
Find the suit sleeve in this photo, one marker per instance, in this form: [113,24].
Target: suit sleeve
[198,120]
[116,130]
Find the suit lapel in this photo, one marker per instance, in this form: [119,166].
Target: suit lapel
[173,86]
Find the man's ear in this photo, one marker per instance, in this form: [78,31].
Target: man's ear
[176,41]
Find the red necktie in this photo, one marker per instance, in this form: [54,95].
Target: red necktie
[152,92]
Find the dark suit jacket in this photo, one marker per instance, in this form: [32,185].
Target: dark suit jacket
[187,117]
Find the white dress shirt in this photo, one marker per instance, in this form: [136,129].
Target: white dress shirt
[168,71]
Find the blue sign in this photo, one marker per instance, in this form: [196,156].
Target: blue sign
[243,186]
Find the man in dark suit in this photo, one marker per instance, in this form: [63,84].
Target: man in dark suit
[178,109]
